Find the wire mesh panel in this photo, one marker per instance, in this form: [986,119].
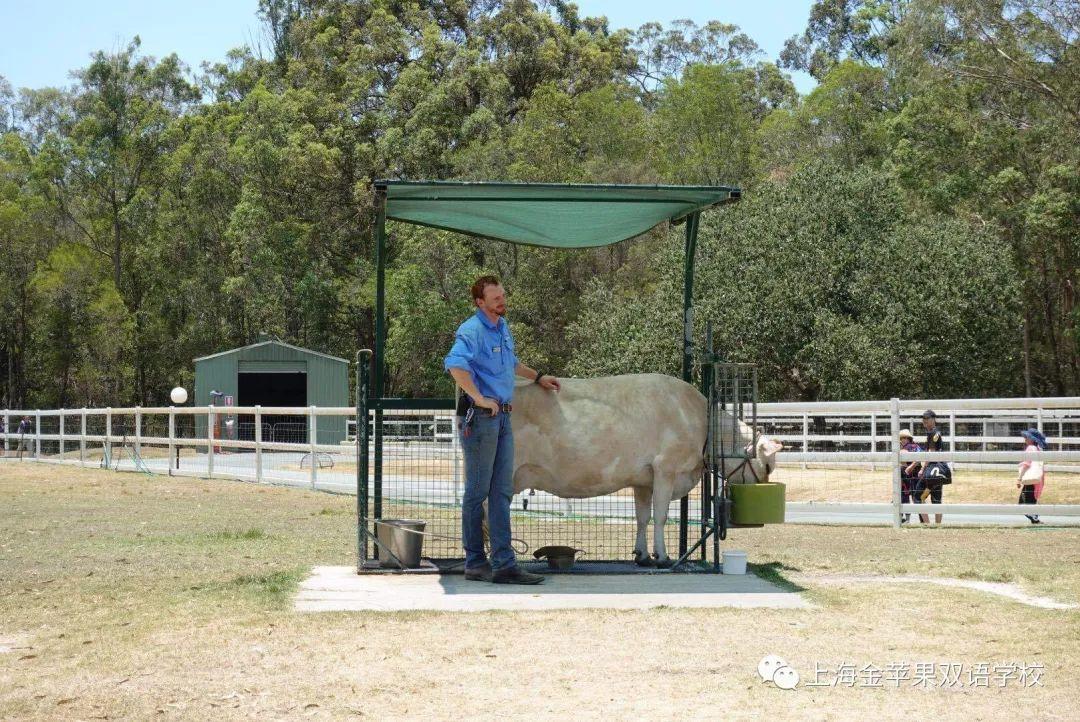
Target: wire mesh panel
[731,391]
[48,426]
[418,472]
[832,435]
[189,455]
[287,429]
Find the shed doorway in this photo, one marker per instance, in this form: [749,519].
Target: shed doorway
[273,388]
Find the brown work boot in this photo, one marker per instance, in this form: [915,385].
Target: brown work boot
[515,575]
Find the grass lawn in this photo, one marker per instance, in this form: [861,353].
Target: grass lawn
[128,596]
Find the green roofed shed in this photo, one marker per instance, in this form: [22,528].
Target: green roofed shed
[273,373]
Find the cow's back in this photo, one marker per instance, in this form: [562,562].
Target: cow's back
[599,435]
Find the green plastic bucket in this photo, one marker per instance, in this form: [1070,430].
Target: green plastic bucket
[757,503]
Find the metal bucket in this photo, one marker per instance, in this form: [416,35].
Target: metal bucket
[404,538]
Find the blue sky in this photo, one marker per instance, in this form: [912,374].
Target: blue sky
[41,42]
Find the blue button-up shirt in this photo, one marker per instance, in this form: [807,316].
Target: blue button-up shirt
[486,351]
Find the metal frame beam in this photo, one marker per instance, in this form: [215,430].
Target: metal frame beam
[375,399]
[690,245]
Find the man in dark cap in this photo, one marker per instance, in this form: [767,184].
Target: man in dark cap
[935,474]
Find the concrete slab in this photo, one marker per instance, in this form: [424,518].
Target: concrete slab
[342,589]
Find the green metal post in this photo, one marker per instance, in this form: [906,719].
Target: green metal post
[380,289]
[688,348]
[380,343]
[707,391]
[688,297]
[363,367]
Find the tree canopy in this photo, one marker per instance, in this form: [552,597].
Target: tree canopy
[908,227]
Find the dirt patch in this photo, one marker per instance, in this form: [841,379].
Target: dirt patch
[15,644]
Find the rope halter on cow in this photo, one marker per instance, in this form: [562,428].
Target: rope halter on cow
[748,456]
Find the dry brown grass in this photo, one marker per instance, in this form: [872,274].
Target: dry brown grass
[134,597]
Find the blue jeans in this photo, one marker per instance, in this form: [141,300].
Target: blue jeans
[489,470]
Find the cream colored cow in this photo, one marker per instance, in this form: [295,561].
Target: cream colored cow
[642,431]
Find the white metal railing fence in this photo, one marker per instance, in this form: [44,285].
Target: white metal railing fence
[204,441]
[239,442]
[980,434]
[866,425]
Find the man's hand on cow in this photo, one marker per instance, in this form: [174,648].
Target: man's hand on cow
[550,383]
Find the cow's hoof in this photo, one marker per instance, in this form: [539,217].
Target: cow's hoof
[643,560]
[665,563]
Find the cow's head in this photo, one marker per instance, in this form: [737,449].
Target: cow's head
[765,451]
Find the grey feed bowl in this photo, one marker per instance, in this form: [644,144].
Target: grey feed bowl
[558,557]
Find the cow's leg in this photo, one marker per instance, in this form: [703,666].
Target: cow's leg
[661,499]
[642,509]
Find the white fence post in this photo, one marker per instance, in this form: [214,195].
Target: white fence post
[82,438]
[173,452]
[314,457]
[1039,418]
[258,444]
[62,415]
[138,431]
[210,442]
[805,434]
[952,430]
[106,448]
[873,439]
[894,409]
[37,435]
[1061,434]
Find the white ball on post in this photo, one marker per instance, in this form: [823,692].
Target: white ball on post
[178,395]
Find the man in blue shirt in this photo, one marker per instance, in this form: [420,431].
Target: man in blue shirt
[483,364]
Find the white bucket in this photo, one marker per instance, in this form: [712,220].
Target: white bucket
[734,562]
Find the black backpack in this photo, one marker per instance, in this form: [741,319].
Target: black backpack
[939,472]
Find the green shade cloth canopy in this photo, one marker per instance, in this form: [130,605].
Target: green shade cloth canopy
[550,215]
